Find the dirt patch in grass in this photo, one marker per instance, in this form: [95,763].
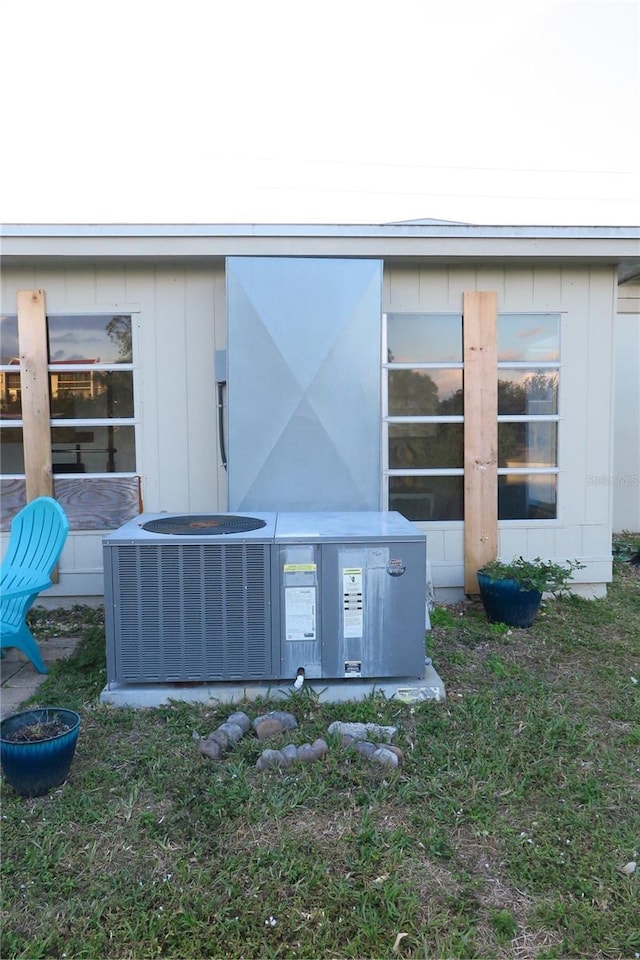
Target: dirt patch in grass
[324,829]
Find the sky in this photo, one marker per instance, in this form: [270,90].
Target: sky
[340,111]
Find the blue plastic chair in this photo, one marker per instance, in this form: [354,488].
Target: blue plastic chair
[38,533]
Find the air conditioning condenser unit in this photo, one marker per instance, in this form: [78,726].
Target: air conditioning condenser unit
[265,597]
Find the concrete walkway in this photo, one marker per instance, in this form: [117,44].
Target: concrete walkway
[19,679]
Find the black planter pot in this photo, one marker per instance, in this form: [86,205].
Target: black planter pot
[34,767]
[505,601]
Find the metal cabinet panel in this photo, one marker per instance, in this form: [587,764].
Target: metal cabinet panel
[304,383]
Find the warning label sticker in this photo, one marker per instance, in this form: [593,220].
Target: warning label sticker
[352,602]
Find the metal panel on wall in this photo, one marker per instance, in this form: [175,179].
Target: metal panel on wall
[304,383]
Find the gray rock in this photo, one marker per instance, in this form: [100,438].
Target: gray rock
[241,719]
[366,748]
[287,720]
[233,730]
[220,737]
[266,727]
[319,747]
[271,758]
[386,757]
[392,749]
[306,753]
[290,752]
[363,731]
[210,749]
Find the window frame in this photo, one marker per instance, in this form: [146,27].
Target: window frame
[130,312]
[533,364]
[388,419]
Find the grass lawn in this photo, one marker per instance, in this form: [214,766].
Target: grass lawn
[502,834]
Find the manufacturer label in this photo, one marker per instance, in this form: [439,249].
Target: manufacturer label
[300,613]
[395,568]
[352,668]
[352,602]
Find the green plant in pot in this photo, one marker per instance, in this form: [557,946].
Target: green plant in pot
[37,748]
[512,592]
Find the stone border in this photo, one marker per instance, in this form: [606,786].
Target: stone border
[354,737]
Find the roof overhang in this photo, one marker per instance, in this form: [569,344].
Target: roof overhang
[425,241]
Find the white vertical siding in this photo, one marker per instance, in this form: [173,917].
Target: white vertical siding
[168,393]
[460,278]
[110,283]
[569,541]
[175,330]
[573,399]
[497,278]
[22,278]
[546,288]
[201,426]
[433,285]
[626,439]
[599,409]
[83,282]
[179,444]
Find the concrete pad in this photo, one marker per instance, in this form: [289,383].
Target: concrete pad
[429,687]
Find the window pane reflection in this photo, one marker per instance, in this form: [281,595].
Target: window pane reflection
[425,393]
[422,446]
[527,497]
[93,449]
[532,337]
[9,349]
[90,339]
[527,444]
[533,392]
[424,338]
[427,498]
[11,450]
[91,394]
[10,392]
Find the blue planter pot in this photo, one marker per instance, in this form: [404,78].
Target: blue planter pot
[34,767]
[505,601]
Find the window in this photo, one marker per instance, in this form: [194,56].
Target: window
[528,382]
[423,415]
[11,456]
[91,395]
[423,446]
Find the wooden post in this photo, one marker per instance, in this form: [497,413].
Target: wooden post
[34,382]
[480,433]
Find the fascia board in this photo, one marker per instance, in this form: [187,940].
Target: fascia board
[437,242]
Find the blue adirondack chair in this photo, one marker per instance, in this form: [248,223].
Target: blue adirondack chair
[38,533]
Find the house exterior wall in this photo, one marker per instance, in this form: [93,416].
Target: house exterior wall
[585,298]
[625,481]
[179,316]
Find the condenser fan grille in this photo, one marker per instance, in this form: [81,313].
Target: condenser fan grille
[205,525]
[191,612]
